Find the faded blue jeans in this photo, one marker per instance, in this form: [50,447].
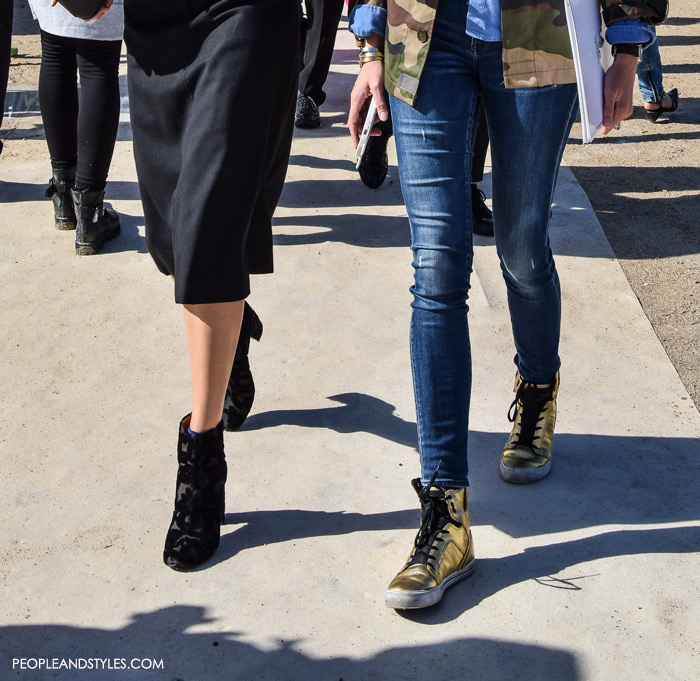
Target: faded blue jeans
[650,74]
[434,139]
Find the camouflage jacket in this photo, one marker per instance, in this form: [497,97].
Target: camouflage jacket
[536,51]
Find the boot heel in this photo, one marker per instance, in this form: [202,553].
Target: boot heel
[255,325]
[240,391]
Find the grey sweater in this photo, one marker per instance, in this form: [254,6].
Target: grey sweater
[60,21]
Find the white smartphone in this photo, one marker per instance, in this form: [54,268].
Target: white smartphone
[365,134]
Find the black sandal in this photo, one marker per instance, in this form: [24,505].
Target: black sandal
[654,114]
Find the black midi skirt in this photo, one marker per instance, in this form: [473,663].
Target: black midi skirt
[212,85]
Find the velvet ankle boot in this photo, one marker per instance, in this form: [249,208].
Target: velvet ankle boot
[194,531]
[241,388]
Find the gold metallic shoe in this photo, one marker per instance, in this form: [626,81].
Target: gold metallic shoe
[527,456]
[443,551]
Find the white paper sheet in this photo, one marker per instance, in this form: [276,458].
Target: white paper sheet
[592,58]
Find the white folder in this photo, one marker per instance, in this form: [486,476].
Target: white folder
[592,58]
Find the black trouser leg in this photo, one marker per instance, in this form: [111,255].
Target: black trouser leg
[6,7]
[481,145]
[85,134]
[322,25]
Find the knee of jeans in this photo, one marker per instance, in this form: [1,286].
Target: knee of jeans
[441,279]
[527,274]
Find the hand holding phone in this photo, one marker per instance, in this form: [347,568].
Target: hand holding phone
[365,134]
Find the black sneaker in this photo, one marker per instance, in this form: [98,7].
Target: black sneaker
[482,217]
[307,115]
[375,162]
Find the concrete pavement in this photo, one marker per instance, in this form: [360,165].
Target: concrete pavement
[591,574]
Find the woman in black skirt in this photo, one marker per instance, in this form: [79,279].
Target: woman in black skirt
[212,85]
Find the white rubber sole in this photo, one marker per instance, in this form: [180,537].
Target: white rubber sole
[413,600]
[518,477]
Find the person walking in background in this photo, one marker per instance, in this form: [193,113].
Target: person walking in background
[650,77]
[318,38]
[482,216]
[438,60]
[80,125]
[6,11]
[375,165]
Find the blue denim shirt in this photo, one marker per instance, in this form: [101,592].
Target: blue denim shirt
[484,22]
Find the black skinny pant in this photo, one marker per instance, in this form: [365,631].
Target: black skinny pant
[481,145]
[80,134]
[6,7]
[322,17]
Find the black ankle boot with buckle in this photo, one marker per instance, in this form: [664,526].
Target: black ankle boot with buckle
[96,223]
[59,191]
[240,391]
[195,529]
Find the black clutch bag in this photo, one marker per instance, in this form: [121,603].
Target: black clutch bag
[83,9]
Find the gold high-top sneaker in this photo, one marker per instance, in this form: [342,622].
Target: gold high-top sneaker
[527,456]
[443,551]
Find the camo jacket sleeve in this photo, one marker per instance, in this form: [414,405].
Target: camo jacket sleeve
[536,46]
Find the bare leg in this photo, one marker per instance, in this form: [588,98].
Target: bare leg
[212,335]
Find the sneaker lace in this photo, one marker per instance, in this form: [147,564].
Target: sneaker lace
[434,516]
[533,401]
[479,207]
[478,193]
[308,104]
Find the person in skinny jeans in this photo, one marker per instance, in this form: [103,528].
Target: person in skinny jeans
[650,77]
[441,58]
[80,124]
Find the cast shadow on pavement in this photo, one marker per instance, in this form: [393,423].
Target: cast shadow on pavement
[348,193]
[632,225]
[320,163]
[130,238]
[354,229]
[598,483]
[18,192]
[174,635]
[358,413]
[596,480]
[541,563]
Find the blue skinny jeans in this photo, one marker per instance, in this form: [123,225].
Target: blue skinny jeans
[650,74]
[528,129]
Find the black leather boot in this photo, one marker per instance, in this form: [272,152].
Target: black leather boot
[96,223]
[60,185]
[194,531]
[240,391]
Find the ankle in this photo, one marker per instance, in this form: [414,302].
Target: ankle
[203,424]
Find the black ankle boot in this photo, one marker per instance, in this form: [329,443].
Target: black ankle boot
[241,388]
[60,185]
[96,223]
[194,531]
